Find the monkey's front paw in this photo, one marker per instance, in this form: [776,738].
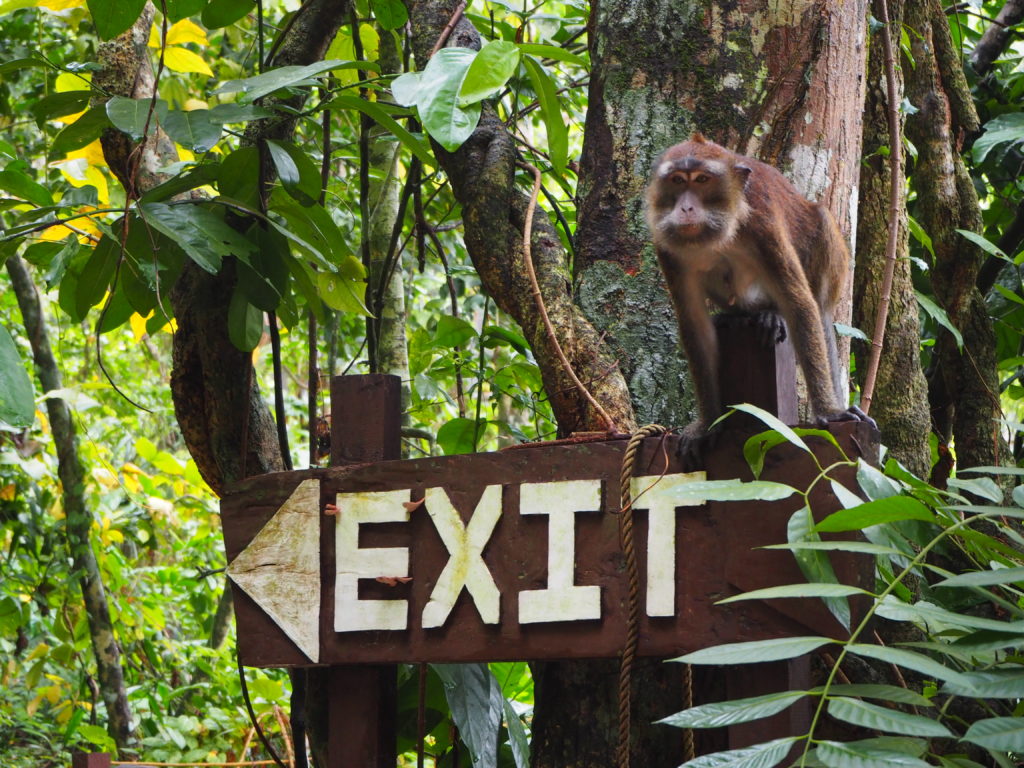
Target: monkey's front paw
[770,327]
[853,413]
[695,442]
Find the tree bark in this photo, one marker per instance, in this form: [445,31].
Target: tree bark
[996,36]
[900,405]
[483,177]
[78,516]
[963,386]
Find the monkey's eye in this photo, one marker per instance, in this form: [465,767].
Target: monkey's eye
[677,178]
[700,178]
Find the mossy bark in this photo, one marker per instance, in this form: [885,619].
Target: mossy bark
[963,386]
[900,403]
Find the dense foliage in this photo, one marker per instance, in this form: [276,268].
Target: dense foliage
[315,227]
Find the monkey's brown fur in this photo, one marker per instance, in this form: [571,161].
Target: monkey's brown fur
[732,232]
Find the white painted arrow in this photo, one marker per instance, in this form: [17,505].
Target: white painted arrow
[280,569]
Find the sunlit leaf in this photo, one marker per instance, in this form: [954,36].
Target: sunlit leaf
[181,59]
[765,755]
[1006,733]
[255,87]
[453,332]
[875,513]
[17,403]
[555,125]
[836,754]
[903,658]
[878,718]
[796,590]
[16,183]
[731,712]
[733,490]
[756,651]
[494,64]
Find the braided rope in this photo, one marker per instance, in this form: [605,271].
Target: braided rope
[633,577]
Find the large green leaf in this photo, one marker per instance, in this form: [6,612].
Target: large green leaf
[878,718]
[755,651]
[220,13]
[903,658]
[725,713]
[198,176]
[193,129]
[17,399]
[862,547]
[733,490]
[995,684]
[796,590]
[477,707]
[239,176]
[518,740]
[299,176]
[21,185]
[452,332]
[96,275]
[460,435]
[1005,733]
[84,130]
[765,755]
[875,513]
[245,322]
[492,68]
[556,126]
[984,578]
[891,693]
[543,51]
[342,293]
[182,9]
[130,115]
[255,87]
[816,565]
[314,231]
[202,233]
[390,14]
[435,91]
[940,316]
[112,17]
[929,613]
[60,104]
[836,754]
[999,130]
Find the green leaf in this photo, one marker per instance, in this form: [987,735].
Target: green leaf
[925,612]
[130,115]
[842,329]
[496,336]
[313,230]
[875,513]
[864,547]
[984,487]
[452,332]
[755,651]
[903,658]
[1005,733]
[97,734]
[341,293]
[84,130]
[193,129]
[995,684]
[256,87]
[299,176]
[17,398]
[237,113]
[200,232]
[415,144]
[984,578]
[245,322]
[60,105]
[766,755]
[796,590]
[731,712]
[836,754]
[112,17]
[390,14]
[1019,471]
[733,490]
[239,176]
[555,125]
[15,64]
[874,484]
[476,705]
[879,718]
[220,13]
[984,243]
[773,423]
[437,98]
[1008,127]
[460,435]
[494,64]
[21,185]
[182,9]
[96,275]
[518,741]
[920,235]
[891,693]
[938,314]
[543,51]
[815,564]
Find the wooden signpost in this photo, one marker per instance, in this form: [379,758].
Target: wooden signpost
[516,554]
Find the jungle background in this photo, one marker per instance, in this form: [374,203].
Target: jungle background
[210,207]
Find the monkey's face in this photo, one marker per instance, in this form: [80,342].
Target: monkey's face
[693,199]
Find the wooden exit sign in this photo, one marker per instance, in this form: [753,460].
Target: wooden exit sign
[515,555]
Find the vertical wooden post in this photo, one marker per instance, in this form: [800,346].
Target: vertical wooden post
[366,424]
[90,760]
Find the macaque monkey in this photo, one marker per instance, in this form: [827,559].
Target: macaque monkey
[732,233]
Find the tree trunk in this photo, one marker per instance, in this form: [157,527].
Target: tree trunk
[78,516]
[997,36]
[900,405]
[963,386]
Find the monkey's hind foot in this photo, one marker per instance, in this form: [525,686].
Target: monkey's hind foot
[853,413]
[767,325]
[695,443]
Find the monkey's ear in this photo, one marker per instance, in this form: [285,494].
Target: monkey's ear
[698,138]
[742,172]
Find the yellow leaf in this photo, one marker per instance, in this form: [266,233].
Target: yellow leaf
[185,155]
[138,324]
[38,652]
[72,81]
[104,477]
[7,492]
[130,468]
[52,693]
[183,60]
[132,484]
[32,706]
[154,36]
[60,5]
[186,31]
[191,104]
